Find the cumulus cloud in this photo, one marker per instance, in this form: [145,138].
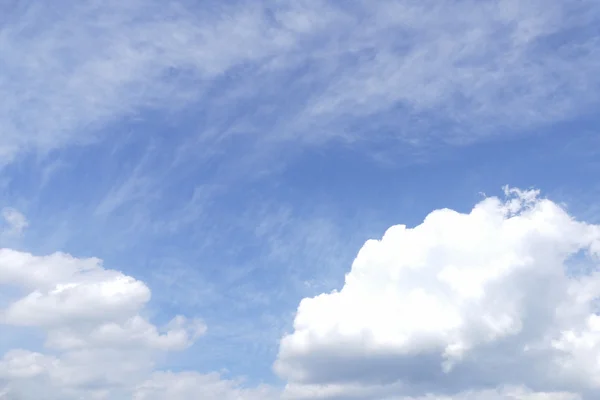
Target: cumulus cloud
[461,303]
[98,343]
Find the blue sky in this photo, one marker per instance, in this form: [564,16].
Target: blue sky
[233,158]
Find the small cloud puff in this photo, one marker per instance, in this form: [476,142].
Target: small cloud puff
[15,222]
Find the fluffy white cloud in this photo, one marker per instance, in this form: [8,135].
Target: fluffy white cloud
[90,373]
[22,364]
[98,343]
[33,375]
[135,331]
[460,302]
[66,290]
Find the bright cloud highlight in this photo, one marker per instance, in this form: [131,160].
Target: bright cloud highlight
[458,303]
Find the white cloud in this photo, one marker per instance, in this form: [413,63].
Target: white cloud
[22,364]
[460,302]
[15,222]
[91,373]
[390,392]
[98,343]
[64,289]
[189,385]
[105,375]
[134,332]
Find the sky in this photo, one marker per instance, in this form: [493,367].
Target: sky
[358,200]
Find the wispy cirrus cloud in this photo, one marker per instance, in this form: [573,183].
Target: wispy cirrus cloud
[73,70]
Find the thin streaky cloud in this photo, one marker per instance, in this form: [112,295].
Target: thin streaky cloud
[473,63]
